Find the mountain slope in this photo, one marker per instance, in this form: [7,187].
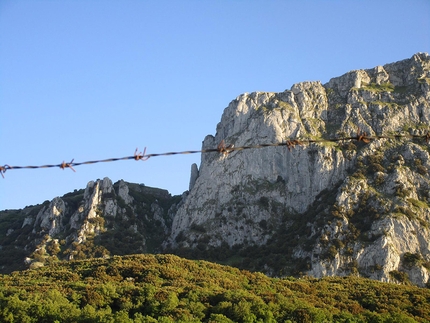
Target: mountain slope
[323,208]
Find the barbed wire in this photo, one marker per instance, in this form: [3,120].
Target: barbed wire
[222,148]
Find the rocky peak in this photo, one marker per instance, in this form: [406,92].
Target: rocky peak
[356,208]
[399,74]
[49,219]
[123,191]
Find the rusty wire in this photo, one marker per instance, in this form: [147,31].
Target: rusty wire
[222,148]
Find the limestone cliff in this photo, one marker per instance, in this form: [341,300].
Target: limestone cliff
[328,208]
[334,208]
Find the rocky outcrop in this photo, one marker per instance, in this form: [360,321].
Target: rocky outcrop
[226,184]
[363,207]
[101,220]
[49,219]
[194,175]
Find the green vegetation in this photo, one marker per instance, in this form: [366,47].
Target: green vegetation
[400,276]
[276,105]
[424,80]
[13,239]
[419,126]
[384,87]
[390,105]
[418,204]
[166,288]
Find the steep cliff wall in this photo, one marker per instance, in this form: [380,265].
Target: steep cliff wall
[339,208]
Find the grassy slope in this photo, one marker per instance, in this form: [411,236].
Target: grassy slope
[167,288]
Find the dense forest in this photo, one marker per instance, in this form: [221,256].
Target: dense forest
[167,288]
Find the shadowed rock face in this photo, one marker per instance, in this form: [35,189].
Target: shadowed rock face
[242,198]
[101,220]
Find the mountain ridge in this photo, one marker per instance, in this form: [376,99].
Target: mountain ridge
[323,209]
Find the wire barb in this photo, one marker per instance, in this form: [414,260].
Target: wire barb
[140,155]
[222,148]
[3,169]
[292,143]
[65,165]
[362,136]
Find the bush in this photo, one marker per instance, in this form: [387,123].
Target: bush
[198,228]
[412,259]
[400,276]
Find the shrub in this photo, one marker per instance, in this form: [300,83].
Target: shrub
[263,224]
[400,276]
[412,259]
[264,202]
[330,253]
[198,228]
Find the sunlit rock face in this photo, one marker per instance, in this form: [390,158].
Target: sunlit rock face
[365,206]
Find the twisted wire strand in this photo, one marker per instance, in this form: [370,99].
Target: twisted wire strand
[223,149]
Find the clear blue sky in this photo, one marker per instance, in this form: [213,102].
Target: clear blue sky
[97,79]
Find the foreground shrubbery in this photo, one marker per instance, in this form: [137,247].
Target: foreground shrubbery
[166,288]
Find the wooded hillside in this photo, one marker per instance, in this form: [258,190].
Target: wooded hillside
[167,288]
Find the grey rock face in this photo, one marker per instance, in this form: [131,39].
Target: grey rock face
[244,197]
[291,178]
[49,218]
[194,175]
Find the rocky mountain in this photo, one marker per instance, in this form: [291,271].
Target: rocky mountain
[329,208]
[324,208]
[102,220]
